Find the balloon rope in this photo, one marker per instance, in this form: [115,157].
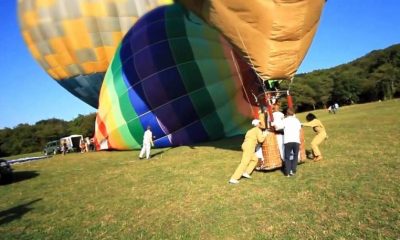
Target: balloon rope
[241,80]
[267,99]
[247,54]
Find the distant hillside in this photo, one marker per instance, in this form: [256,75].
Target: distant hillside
[26,138]
[375,76]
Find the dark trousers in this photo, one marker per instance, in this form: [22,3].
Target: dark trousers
[291,165]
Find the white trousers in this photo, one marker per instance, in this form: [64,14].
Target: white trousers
[259,152]
[281,146]
[145,150]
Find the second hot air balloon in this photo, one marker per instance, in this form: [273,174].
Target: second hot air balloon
[75,40]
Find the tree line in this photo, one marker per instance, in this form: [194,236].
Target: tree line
[373,77]
[26,138]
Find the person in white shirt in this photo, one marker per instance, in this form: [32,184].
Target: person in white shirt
[147,143]
[291,140]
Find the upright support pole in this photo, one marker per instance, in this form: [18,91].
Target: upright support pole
[269,108]
[289,100]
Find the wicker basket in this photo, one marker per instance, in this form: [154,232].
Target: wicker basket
[272,157]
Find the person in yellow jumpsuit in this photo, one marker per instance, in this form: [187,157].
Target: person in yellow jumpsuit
[249,159]
[319,129]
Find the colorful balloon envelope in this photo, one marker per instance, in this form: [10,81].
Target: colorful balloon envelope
[274,35]
[74,40]
[179,76]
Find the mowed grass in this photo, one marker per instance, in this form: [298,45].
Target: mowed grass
[183,192]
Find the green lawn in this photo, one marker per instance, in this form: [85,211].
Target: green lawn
[183,192]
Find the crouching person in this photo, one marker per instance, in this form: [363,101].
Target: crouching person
[249,158]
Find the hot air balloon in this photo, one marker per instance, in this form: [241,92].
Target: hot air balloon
[178,75]
[75,40]
[273,35]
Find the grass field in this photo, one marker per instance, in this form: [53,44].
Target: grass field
[183,192]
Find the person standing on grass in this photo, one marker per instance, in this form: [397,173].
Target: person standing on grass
[319,129]
[147,143]
[64,147]
[249,159]
[82,145]
[291,141]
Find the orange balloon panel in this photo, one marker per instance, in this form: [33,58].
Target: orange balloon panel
[274,35]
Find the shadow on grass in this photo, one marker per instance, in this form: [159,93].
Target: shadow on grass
[280,169]
[231,143]
[16,213]
[162,151]
[24,175]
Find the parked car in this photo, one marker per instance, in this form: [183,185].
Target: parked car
[52,147]
[6,172]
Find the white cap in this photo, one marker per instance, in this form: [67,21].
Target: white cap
[255,122]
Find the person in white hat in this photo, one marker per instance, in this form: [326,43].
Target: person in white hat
[249,158]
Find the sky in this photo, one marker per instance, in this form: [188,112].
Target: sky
[348,29]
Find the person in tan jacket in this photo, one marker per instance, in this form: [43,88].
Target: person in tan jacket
[249,159]
[319,129]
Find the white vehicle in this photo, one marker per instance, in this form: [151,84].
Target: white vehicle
[72,142]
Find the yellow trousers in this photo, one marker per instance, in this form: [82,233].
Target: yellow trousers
[317,140]
[247,164]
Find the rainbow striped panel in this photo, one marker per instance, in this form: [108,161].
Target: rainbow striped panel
[178,75]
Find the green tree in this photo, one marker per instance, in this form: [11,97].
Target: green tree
[387,78]
[5,143]
[303,97]
[83,125]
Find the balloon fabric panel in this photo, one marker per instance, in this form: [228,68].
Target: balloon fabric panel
[85,87]
[178,77]
[76,39]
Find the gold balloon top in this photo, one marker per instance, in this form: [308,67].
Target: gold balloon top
[274,35]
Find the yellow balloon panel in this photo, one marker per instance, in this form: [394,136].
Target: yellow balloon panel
[78,37]
[274,35]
